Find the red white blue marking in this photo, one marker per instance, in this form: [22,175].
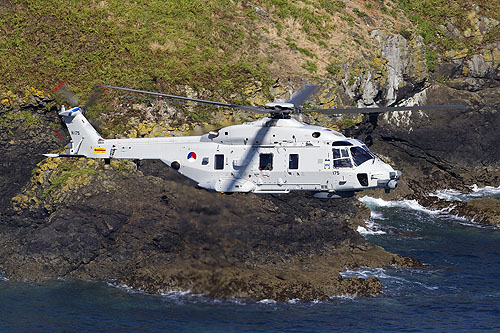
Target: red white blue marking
[191,156]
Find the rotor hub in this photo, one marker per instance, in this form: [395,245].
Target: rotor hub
[280,106]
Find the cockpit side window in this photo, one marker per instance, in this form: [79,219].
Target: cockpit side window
[341,158]
[342,163]
[360,156]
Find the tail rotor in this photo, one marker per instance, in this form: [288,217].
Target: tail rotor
[66,94]
[69,96]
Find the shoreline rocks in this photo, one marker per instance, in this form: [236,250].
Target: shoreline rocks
[156,235]
[484,211]
[156,231]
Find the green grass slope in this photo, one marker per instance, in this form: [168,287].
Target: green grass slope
[155,44]
[217,46]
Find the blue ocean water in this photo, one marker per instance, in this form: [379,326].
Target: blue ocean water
[459,291]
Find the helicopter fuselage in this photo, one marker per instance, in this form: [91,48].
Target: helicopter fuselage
[265,156]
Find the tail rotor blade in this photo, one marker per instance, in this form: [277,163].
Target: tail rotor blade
[94,97]
[66,93]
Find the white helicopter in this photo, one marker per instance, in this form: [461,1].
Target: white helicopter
[276,154]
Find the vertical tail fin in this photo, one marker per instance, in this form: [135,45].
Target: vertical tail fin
[83,134]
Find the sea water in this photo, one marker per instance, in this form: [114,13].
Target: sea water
[458,290]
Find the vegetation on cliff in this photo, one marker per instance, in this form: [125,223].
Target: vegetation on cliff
[158,43]
[363,52]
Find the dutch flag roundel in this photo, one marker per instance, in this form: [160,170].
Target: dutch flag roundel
[191,156]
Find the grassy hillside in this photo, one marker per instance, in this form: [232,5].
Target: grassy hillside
[215,46]
[434,17]
[155,44]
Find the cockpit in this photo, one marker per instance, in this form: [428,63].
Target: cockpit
[347,155]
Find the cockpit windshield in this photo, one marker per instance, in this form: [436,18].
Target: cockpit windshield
[368,150]
[360,155]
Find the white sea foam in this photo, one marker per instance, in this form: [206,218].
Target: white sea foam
[183,296]
[476,192]
[166,293]
[371,229]
[125,287]
[364,273]
[267,301]
[471,223]
[408,204]
[384,274]
[177,293]
[377,215]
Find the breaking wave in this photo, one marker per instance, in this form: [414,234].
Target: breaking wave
[408,204]
[267,301]
[444,213]
[476,192]
[124,287]
[392,279]
[371,229]
[161,292]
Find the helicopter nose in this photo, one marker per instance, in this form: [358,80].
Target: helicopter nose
[390,180]
[395,175]
[393,182]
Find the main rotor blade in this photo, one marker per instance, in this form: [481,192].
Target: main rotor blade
[234,106]
[386,109]
[302,95]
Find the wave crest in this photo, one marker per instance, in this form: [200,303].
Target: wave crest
[408,204]
[476,193]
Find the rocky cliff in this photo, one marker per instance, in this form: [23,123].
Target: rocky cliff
[435,149]
[156,232]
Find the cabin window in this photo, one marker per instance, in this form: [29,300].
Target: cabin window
[266,162]
[205,161]
[219,162]
[293,161]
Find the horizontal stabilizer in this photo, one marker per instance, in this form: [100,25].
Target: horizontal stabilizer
[63,155]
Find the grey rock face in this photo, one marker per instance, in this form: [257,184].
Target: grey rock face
[394,49]
[401,72]
[478,66]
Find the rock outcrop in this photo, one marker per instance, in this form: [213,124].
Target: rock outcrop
[481,210]
[433,149]
[155,231]
[484,210]
[396,73]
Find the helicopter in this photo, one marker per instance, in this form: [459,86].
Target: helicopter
[276,154]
